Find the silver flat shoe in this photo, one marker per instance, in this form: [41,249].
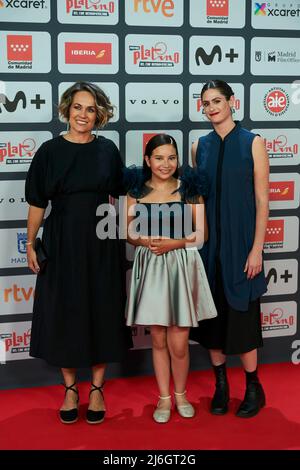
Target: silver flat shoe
[187,410]
[162,415]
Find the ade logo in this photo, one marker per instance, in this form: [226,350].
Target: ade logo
[208,58]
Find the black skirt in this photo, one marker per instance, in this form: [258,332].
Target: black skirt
[232,331]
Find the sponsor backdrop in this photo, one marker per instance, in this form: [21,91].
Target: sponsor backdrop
[151,57]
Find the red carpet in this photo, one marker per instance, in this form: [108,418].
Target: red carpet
[29,416]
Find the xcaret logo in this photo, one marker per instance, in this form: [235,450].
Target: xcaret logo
[276,101]
[156,56]
[166,7]
[38,4]
[88,53]
[217,7]
[260,9]
[90,7]
[282,190]
[19,48]
[18,152]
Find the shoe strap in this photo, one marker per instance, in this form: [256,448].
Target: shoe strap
[180,394]
[100,389]
[70,387]
[164,398]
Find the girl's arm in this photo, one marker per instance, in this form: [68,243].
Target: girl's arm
[198,236]
[132,236]
[254,261]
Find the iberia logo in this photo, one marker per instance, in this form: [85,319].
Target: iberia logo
[260,9]
[88,53]
[282,190]
[276,101]
[275,231]
[19,48]
[217,7]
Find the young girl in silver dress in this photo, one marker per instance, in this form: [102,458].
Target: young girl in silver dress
[169,291]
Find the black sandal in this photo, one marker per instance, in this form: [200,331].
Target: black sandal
[69,416]
[95,417]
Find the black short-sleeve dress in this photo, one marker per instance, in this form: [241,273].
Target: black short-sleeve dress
[78,314]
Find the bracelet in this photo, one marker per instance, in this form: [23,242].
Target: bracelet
[28,243]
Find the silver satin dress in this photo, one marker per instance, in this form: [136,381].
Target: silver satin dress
[170,289]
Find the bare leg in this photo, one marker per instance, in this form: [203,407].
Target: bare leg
[96,402]
[161,363]
[217,357]
[177,339]
[70,400]
[249,360]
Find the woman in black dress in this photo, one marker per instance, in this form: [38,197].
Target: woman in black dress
[79,301]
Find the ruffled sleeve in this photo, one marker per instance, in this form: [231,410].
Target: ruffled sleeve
[35,192]
[193,184]
[134,180]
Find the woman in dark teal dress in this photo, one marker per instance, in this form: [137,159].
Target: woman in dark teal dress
[236,165]
[78,315]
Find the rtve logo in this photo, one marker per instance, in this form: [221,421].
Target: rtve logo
[166,7]
[17,294]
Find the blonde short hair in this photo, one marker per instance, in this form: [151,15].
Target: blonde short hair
[104,108]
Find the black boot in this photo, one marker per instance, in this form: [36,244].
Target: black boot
[254,398]
[219,403]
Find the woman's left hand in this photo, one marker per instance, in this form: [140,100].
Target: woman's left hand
[254,263]
[159,246]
